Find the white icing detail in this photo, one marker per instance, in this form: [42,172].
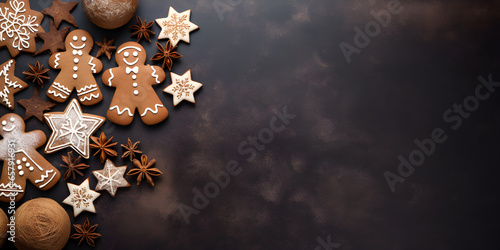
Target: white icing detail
[18,161]
[76,60]
[42,178]
[21,173]
[22,151]
[45,184]
[155,75]
[75,38]
[4,122]
[62,88]
[75,68]
[135,53]
[80,53]
[131,64]
[134,77]
[12,119]
[9,129]
[4,96]
[24,159]
[57,94]
[93,65]
[126,54]
[152,111]
[88,98]
[77,47]
[112,76]
[92,86]
[57,60]
[17,26]
[27,164]
[129,47]
[31,169]
[120,112]
[75,52]
[19,167]
[84,38]
[134,85]
[88,91]
[134,69]
[75,76]
[136,92]
[10,189]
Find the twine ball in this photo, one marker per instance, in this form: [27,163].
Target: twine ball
[41,224]
[3,227]
[109,14]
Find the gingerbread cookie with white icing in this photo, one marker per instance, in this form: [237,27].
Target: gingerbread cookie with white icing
[134,87]
[21,160]
[77,68]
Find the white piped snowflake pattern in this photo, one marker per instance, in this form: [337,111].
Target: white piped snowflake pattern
[17,25]
[176,26]
[81,197]
[182,87]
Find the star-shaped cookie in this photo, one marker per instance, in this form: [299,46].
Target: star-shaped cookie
[9,84]
[182,87]
[35,106]
[72,128]
[61,11]
[19,26]
[81,197]
[53,40]
[176,26]
[110,178]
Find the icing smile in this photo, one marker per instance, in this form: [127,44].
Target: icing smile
[9,129]
[77,47]
[130,64]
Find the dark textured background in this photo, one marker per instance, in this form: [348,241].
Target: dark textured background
[323,175]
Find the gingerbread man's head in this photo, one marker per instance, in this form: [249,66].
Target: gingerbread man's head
[130,54]
[79,40]
[11,124]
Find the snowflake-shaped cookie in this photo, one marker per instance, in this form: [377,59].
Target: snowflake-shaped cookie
[182,87]
[110,178]
[72,128]
[176,26]
[81,197]
[19,26]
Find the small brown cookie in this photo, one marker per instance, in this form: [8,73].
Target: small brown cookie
[19,26]
[77,68]
[21,160]
[133,82]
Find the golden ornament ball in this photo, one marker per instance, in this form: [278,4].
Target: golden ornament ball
[110,14]
[41,223]
[3,227]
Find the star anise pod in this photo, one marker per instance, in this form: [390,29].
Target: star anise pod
[37,73]
[86,232]
[104,145]
[106,47]
[131,149]
[166,54]
[142,29]
[143,169]
[73,165]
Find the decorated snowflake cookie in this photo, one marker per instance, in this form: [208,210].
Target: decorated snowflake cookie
[72,128]
[9,84]
[19,26]
[176,26]
[110,178]
[182,87]
[21,160]
[81,197]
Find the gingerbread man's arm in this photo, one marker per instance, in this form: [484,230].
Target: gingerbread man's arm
[95,65]
[157,74]
[37,137]
[55,61]
[108,77]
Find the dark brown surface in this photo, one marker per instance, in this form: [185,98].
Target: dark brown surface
[323,174]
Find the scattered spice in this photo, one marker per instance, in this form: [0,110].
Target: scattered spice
[104,146]
[106,47]
[143,170]
[86,232]
[142,29]
[166,54]
[73,164]
[131,149]
[36,73]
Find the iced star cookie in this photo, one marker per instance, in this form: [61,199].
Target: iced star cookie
[110,178]
[21,160]
[19,25]
[81,197]
[182,87]
[134,87]
[9,84]
[77,68]
[72,128]
[176,26]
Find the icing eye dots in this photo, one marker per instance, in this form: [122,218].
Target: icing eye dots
[75,38]
[84,38]
[126,54]
[135,54]
[4,122]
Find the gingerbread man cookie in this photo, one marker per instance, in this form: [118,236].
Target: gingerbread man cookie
[21,161]
[77,68]
[133,82]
